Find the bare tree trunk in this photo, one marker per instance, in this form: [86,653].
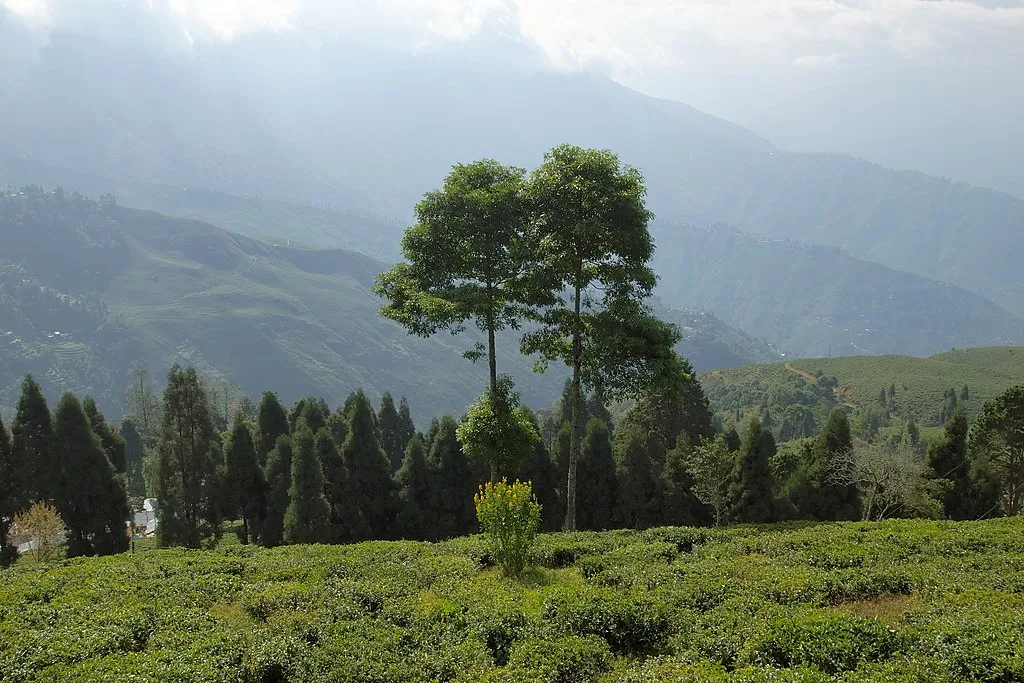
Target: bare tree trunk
[574,444]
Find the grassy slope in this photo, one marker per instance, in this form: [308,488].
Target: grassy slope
[920,382]
[893,601]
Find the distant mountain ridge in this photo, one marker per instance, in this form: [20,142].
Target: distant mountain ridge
[271,117]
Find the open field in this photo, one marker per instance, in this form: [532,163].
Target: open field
[893,601]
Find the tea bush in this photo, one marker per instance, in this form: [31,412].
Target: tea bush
[903,601]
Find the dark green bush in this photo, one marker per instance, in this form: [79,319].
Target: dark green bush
[630,624]
[571,659]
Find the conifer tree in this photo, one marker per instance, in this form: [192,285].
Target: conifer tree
[680,507]
[188,454]
[369,472]
[278,476]
[596,478]
[638,460]
[750,492]
[244,493]
[10,495]
[113,445]
[134,452]
[452,491]
[89,495]
[948,461]
[307,518]
[346,521]
[538,468]
[406,427]
[391,431]
[413,481]
[272,423]
[996,447]
[965,394]
[32,444]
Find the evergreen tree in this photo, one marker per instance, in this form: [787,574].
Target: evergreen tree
[965,394]
[337,426]
[346,521]
[32,444]
[452,491]
[596,478]
[187,454]
[134,453]
[750,492]
[369,472]
[538,469]
[948,461]
[309,412]
[881,397]
[406,427]
[113,445]
[391,431]
[244,488]
[813,488]
[272,423]
[413,480]
[10,495]
[307,518]
[144,405]
[996,447]
[89,495]
[679,506]
[639,458]
[892,391]
[278,476]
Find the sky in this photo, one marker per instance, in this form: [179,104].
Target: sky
[777,66]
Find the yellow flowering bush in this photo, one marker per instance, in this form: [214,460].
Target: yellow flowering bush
[509,516]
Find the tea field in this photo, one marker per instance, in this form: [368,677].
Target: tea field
[901,600]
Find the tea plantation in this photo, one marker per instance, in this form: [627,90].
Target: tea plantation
[893,601]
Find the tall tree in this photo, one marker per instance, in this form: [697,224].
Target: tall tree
[346,520]
[144,404]
[32,444]
[10,495]
[369,472]
[134,454]
[278,477]
[639,458]
[113,445]
[537,468]
[89,496]
[413,479]
[453,484]
[406,427]
[465,260]
[187,454]
[307,519]
[272,423]
[244,488]
[596,478]
[750,490]
[948,461]
[589,232]
[997,443]
[710,465]
[391,431]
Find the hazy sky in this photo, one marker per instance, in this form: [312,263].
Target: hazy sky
[857,75]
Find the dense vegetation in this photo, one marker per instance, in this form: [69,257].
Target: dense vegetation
[893,601]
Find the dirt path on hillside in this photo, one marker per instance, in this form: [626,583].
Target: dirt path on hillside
[806,375]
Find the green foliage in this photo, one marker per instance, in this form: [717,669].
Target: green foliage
[710,464]
[134,454]
[751,487]
[369,484]
[497,430]
[278,476]
[948,461]
[308,516]
[997,448]
[453,478]
[9,494]
[89,495]
[244,489]
[188,455]
[596,478]
[413,479]
[393,433]
[509,517]
[32,446]
[272,423]
[113,444]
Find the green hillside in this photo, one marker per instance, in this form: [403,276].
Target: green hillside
[919,382]
[808,300]
[905,600]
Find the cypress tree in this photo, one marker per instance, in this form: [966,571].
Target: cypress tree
[750,491]
[272,423]
[406,427]
[307,519]
[369,472]
[638,460]
[596,478]
[89,495]
[413,481]
[538,469]
[134,452]
[965,394]
[680,507]
[314,414]
[454,483]
[244,488]
[948,461]
[113,445]
[31,444]
[346,522]
[187,454]
[278,477]
[9,495]
[812,488]
[391,432]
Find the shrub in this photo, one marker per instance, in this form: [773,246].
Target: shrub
[630,624]
[572,659]
[41,526]
[509,517]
